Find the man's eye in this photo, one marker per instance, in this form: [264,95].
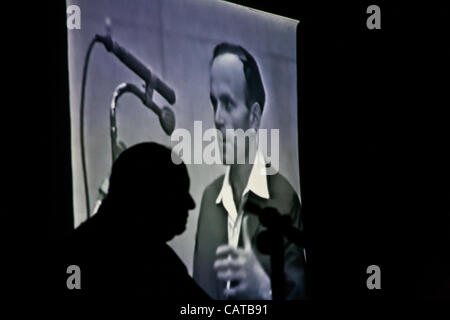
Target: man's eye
[227,103]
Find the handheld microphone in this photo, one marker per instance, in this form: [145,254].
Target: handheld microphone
[273,220]
[138,67]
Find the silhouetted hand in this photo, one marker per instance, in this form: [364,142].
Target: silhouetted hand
[240,265]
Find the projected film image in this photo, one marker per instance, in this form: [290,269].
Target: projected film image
[184,146]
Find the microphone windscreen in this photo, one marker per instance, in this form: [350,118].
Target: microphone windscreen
[167,120]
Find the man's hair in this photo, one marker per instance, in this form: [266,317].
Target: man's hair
[254,88]
[146,171]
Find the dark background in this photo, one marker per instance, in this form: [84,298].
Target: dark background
[373,140]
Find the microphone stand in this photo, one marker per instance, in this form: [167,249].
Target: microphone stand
[152,82]
[271,241]
[146,98]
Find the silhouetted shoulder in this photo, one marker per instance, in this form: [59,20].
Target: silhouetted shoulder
[95,227]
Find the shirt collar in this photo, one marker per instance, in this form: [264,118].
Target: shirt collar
[257,180]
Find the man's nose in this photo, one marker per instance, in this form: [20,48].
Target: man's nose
[218,115]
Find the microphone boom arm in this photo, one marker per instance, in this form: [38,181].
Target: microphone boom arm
[164,114]
[152,82]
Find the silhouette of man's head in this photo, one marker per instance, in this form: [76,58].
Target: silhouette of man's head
[148,192]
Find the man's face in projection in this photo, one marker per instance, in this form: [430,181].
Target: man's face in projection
[228,98]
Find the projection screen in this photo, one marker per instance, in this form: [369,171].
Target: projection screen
[176,41]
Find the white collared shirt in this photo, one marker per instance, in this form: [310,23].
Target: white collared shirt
[257,183]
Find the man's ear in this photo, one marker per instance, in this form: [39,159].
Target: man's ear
[255,115]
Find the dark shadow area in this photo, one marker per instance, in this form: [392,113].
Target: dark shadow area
[122,248]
